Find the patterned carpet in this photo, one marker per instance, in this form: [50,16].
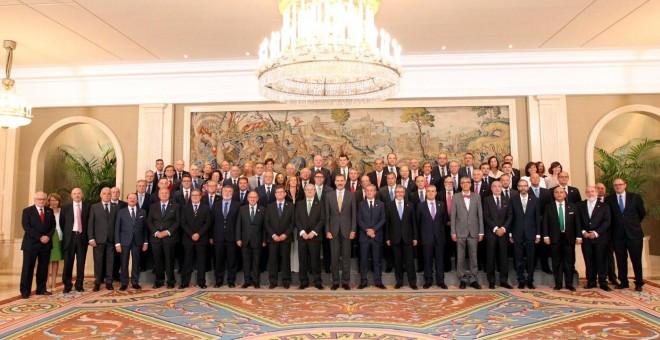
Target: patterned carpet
[312,314]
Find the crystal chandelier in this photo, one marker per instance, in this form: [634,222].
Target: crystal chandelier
[329,52]
[13,111]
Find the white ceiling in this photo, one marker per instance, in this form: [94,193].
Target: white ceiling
[92,32]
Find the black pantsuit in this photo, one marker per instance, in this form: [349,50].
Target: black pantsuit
[39,257]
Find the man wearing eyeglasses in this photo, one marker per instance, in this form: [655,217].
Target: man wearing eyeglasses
[39,225]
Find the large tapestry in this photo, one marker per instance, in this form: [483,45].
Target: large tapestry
[296,136]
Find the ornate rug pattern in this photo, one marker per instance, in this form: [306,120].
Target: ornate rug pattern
[312,314]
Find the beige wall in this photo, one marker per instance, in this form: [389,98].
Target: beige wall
[123,120]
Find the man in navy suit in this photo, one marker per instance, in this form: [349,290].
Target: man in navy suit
[402,235]
[561,226]
[195,227]
[240,195]
[627,210]
[223,237]
[266,191]
[572,193]
[309,219]
[432,221]
[595,216]
[130,239]
[39,225]
[279,226]
[371,223]
[235,174]
[377,176]
[164,222]
[497,222]
[251,238]
[525,232]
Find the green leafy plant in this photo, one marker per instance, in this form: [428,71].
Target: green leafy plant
[636,162]
[91,174]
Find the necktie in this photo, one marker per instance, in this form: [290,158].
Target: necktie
[252,214]
[421,196]
[162,209]
[178,175]
[469,172]
[107,210]
[226,209]
[343,172]
[621,203]
[195,183]
[309,206]
[318,192]
[455,182]
[536,192]
[211,201]
[449,203]
[428,180]
[591,208]
[399,206]
[268,191]
[186,196]
[476,187]
[391,194]
[279,209]
[353,187]
[561,218]
[506,193]
[378,179]
[371,205]
[340,199]
[133,214]
[442,171]
[258,181]
[141,199]
[79,218]
[195,210]
[235,184]
[432,204]
[242,196]
[42,216]
[497,202]
[171,186]
[149,187]
[524,203]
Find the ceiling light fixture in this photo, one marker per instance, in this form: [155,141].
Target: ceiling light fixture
[329,52]
[13,110]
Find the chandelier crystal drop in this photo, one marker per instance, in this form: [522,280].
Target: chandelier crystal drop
[329,52]
[13,110]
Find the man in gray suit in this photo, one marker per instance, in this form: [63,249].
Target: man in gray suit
[130,239]
[467,230]
[340,228]
[101,233]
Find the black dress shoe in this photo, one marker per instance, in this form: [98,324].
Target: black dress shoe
[303,286]
[231,285]
[475,285]
[97,287]
[557,288]
[380,286]
[319,287]
[137,287]
[614,282]
[362,286]
[442,285]
[272,286]
[328,271]
[334,287]
[589,286]
[25,296]
[462,285]
[521,286]
[398,285]
[346,287]
[109,286]
[80,289]
[123,288]
[531,286]
[638,288]
[158,285]
[286,286]
[505,285]
[245,285]
[257,286]
[388,270]
[170,286]
[621,286]
[218,284]
[571,288]
[45,293]
[414,287]
[491,286]
[426,286]
[548,271]
[606,288]
[183,286]
[202,286]
[420,270]
[67,290]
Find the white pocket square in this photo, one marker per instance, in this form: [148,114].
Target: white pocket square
[571,213]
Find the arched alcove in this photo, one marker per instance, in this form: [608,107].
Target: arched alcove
[64,127]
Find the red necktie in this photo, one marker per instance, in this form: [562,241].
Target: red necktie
[449,203]
[170,186]
[353,187]
[42,216]
[476,188]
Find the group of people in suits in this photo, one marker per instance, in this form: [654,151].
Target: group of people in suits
[393,213]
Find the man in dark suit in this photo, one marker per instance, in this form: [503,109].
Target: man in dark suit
[596,220]
[223,236]
[234,174]
[418,194]
[115,198]
[610,266]
[468,166]
[514,171]
[405,180]
[402,235]
[340,228]
[497,222]
[386,193]
[446,195]
[102,217]
[371,220]
[391,165]
[266,191]
[467,229]
[318,166]
[143,199]
[211,196]
[455,176]
[182,196]
[309,219]
[197,180]
[353,183]
[442,169]
[432,221]
[240,195]
[279,224]
[507,168]
[179,171]
[572,193]
[195,226]
[321,191]
[561,226]
[484,191]
[151,182]
[153,198]
[429,177]
[130,239]
[525,233]
[342,168]
[251,238]
[377,176]
[627,210]
[73,220]
[164,222]
[39,225]
[542,251]
[478,185]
